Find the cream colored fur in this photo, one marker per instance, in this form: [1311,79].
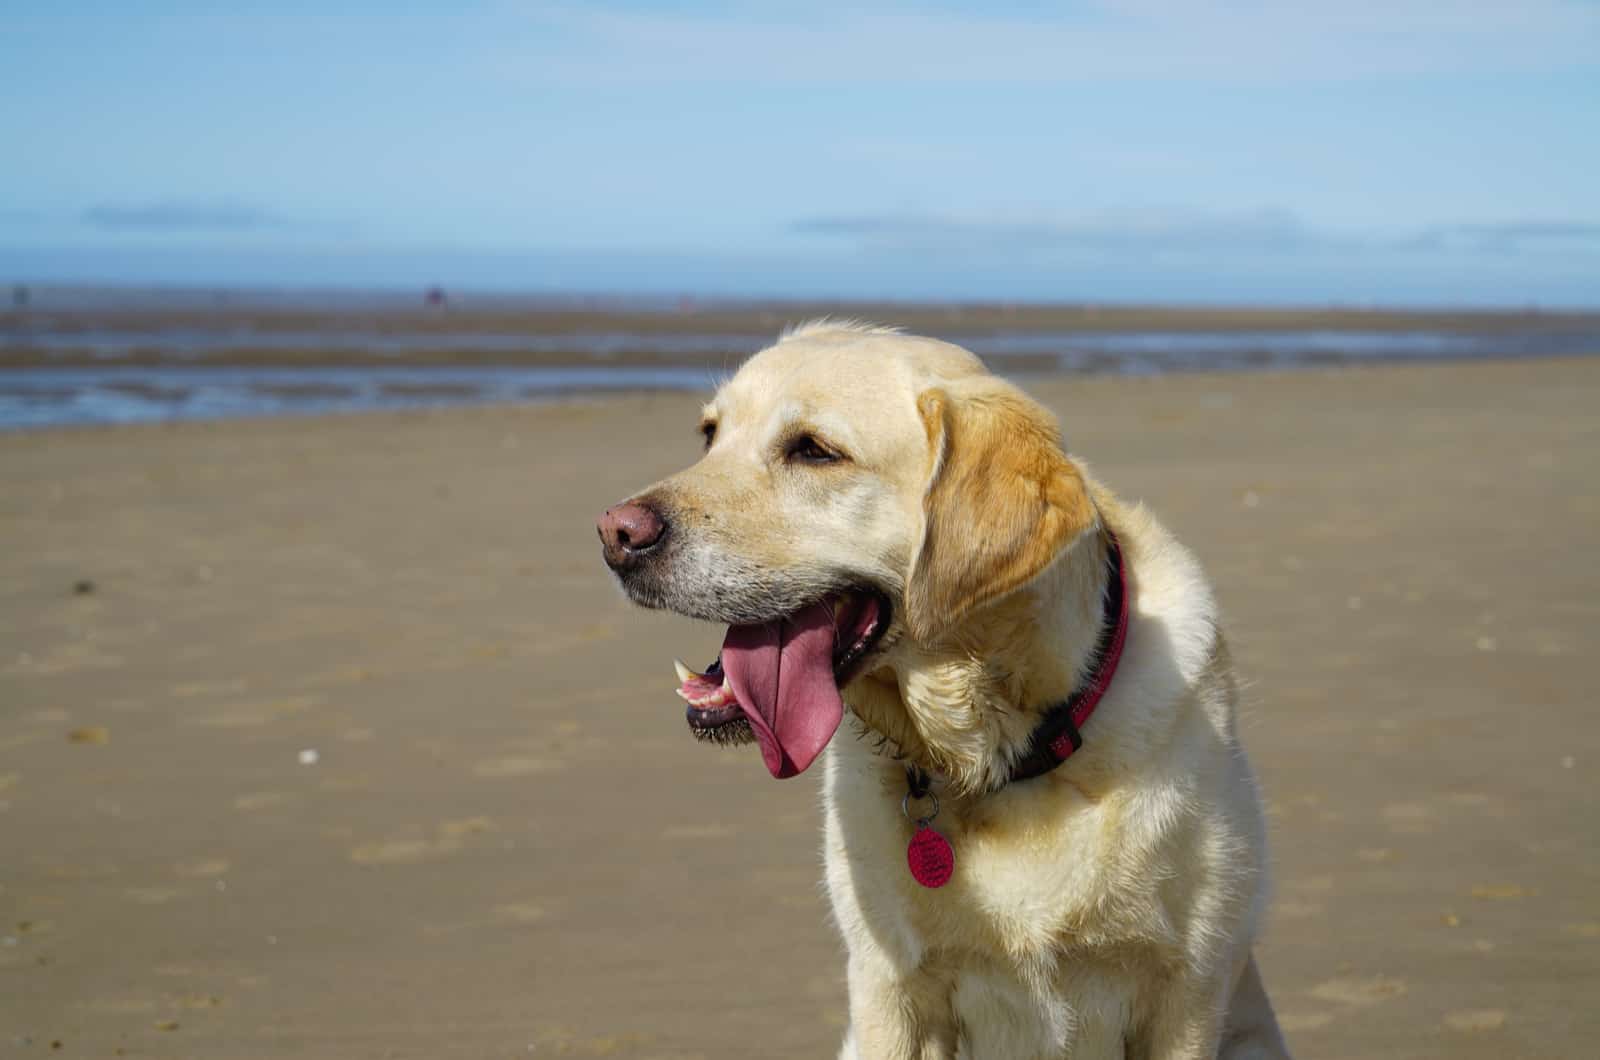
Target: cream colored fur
[1105,909]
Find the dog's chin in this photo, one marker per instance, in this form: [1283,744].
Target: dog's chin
[731,732]
[642,587]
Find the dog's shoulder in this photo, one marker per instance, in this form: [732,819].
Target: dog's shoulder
[1174,610]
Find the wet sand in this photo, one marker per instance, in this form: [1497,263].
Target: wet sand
[145,329]
[330,738]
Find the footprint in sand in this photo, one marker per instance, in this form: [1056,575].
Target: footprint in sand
[448,838]
[1359,991]
[69,658]
[120,1006]
[398,852]
[175,970]
[465,826]
[347,675]
[1501,891]
[520,912]
[697,831]
[1475,1019]
[99,870]
[563,1042]
[1294,910]
[515,766]
[21,739]
[1408,818]
[259,800]
[1312,884]
[189,689]
[265,712]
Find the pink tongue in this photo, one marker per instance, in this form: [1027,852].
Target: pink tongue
[782,673]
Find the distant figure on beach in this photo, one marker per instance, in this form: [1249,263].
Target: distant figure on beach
[435,297]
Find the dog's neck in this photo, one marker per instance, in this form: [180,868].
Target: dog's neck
[965,709]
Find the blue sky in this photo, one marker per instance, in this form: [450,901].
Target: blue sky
[1408,151]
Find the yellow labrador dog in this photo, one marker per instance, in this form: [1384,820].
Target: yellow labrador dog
[1053,845]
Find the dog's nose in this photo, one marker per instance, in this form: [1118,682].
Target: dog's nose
[627,530]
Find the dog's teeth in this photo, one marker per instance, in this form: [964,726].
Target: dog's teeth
[713,700]
[727,686]
[684,673]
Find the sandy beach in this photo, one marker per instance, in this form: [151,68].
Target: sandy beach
[332,738]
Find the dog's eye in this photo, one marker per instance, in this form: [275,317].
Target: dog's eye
[709,430]
[808,450]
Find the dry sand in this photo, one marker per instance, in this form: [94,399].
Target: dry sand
[507,844]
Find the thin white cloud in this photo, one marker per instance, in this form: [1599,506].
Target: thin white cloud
[1273,230]
[1511,237]
[1177,233]
[1240,41]
[184,217]
[176,215]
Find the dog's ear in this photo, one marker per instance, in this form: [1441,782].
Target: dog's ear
[1002,501]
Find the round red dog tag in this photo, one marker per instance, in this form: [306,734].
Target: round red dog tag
[930,857]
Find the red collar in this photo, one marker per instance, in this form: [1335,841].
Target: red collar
[1058,734]
[929,856]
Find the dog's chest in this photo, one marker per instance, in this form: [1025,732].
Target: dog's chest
[1035,874]
[1035,882]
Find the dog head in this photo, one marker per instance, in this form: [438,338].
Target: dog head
[863,496]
